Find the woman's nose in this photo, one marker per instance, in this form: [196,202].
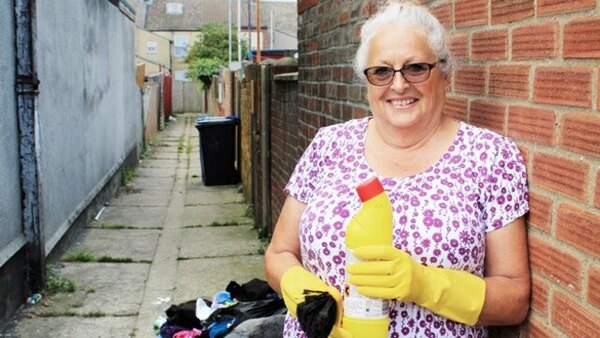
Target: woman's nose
[399,83]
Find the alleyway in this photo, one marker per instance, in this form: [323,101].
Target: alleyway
[165,239]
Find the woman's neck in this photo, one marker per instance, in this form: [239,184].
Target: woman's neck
[412,138]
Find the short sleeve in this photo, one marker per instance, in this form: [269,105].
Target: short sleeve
[306,174]
[506,193]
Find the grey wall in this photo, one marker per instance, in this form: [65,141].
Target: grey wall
[10,185]
[89,108]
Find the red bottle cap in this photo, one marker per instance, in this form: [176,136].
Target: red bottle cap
[369,189]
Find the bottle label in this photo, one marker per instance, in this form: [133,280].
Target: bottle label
[358,306]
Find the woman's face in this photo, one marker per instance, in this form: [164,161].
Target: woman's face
[402,104]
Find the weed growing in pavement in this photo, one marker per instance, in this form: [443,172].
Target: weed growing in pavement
[127,175]
[109,259]
[250,211]
[213,224]
[86,257]
[57,283]
[95,314]
[110,226]
[57,313]
[181,144]
[79,256]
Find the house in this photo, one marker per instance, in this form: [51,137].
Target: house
[177,21]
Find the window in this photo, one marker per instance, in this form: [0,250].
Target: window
[174,8]
[181,45]
[151,47]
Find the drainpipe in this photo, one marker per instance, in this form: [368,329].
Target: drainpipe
[26,92]
[265,149]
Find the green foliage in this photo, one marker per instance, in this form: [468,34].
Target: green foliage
[57,283]
[211,52]
[127,175]
[79,256]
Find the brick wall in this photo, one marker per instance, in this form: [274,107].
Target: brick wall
[528,69]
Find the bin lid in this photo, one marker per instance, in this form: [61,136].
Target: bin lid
[216,120]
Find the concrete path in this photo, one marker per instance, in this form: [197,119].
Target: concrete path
[165,239]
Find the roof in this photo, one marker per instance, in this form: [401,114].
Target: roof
[199,12]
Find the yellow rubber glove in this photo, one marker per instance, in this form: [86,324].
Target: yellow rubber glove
[295,281]
[388,273]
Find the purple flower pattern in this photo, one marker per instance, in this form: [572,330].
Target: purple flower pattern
[441,214]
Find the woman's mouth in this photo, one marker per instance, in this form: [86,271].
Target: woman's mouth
[402,103]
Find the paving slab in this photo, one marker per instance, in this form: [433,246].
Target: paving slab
[156,163]
[155,172]
[71,327]
[144,198]
[156,155]
[138,245]
[151,183]
[205,277]
[101,288]
[213,195]
[219,241]
[224,213]
[133,216]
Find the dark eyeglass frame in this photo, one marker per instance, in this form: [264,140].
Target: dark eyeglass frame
[369,74]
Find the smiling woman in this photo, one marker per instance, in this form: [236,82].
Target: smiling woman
[458,193]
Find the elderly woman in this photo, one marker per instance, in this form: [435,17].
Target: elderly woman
[459,261]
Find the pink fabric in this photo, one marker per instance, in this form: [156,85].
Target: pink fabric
[193,333]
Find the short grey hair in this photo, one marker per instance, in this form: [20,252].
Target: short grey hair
[398,12]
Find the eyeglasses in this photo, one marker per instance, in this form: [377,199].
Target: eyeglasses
[413,73]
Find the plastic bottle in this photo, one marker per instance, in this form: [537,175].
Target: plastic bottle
[364,316]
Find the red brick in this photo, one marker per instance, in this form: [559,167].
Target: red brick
[470,13]
[540,212]
[488,115]
[511,10]
[532,124]
[343,18]
[304,5]
[593,296]
[470,79]
[456,107]
[509,81]
[444,14]
[535,41]
[539,296]
[582,38]
[459,46]
[563,86]
[554,263]
[536,329]
[561,175]
[489,45]
[580,132]
[572,318]
[579,228]
[597,195]
[555,6]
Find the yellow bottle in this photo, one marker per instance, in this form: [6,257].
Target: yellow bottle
[366,317]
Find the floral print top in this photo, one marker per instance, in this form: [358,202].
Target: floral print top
[441,215]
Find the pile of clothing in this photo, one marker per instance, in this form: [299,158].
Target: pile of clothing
[249,310]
